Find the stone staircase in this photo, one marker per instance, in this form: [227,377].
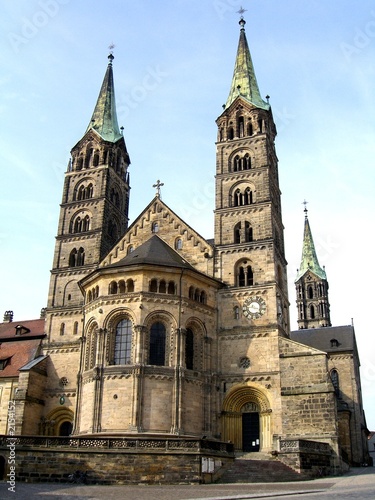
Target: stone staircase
[258,468]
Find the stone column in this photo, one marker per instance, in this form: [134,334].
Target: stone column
[137,378]
[138,346]
[77,413]
[136,403]
[98,377]
[207,386]
[178,382]
[265,430]
[232,428]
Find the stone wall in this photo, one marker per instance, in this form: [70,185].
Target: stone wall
[309,458]
[115,460]
[195,249]
[308,401]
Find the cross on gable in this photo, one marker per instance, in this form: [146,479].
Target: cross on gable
[158,185]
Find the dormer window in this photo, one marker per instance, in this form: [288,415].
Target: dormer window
[334,343]
[3,363]
[21,330]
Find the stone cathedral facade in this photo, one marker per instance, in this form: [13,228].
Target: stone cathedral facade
[150,329]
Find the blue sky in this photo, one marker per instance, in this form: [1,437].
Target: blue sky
[173,67]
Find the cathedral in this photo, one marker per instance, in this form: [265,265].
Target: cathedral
[152,330]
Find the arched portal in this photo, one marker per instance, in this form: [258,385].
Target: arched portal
[246,419]
[65,428]
[60,422]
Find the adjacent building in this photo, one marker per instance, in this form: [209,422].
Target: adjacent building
[338,342]
[22,372]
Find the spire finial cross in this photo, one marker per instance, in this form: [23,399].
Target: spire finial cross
[242,21]
[241,12]
[158,185]
[111,56]
[305,209]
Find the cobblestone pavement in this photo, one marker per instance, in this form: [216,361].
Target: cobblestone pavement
[358,484]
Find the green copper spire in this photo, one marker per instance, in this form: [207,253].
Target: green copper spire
[309,259]
[104,117]
[244,82]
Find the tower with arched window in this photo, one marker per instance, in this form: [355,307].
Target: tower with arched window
[249,259]
[93,216]
[94,208]
[248,225]
[311,286]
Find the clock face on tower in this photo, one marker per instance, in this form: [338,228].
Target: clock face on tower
[254,307]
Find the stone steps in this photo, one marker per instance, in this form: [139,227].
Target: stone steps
[259,455]
[248,469]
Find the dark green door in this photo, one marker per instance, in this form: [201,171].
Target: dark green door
[250,432]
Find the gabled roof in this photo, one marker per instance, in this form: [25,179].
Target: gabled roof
[155,252]
[295,347]
[320,338]
[175,228]
[21,330]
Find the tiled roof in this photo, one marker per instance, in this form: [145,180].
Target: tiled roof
[30,328]
[17,354]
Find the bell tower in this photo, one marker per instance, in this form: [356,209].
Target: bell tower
[311,286]
[93,213]
[249,237]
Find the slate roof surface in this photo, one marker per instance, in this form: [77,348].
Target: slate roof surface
[155,252]
[320,338]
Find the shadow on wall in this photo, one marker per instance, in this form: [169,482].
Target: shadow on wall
[2,467]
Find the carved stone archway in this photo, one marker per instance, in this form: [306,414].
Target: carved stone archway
[58,417]
[238,401]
